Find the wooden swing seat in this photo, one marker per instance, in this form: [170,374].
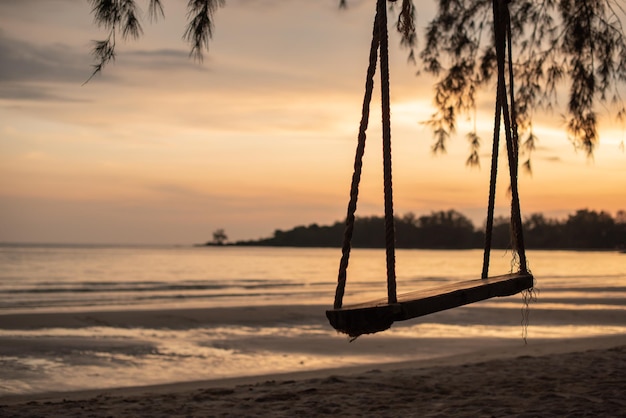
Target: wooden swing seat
[378,315]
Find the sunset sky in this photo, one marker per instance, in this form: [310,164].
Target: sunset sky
[258,137]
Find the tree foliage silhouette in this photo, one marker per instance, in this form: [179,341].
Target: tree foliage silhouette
[580,43]
[585,229]
[121,17]
[219,237]
[577,42]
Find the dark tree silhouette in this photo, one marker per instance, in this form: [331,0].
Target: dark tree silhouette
[541,232]
[120,18]
[590,229]
[580,43]
[577,42]
[219,237]
[446,229]
[585,229]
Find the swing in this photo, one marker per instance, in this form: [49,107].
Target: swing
[379,315]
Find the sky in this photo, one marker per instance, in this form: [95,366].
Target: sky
[160,149]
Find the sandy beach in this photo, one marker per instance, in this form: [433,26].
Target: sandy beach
[469,376]
[576,377]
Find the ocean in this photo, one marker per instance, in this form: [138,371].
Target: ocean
[261,310]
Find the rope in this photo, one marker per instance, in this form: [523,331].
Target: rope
[500,103]
[492,184]
[516,217]
[390,239]
[510,129]
[358,164]
[502,29]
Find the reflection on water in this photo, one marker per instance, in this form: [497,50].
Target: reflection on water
[112,357]
[52,278]
[499,331]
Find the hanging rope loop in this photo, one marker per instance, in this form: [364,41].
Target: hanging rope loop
[504,111]
[503,44]
[358,164]
[390,235]
[379,42]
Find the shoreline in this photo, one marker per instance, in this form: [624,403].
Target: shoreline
[169,317]
[118,352]
[595,365]
[290,314]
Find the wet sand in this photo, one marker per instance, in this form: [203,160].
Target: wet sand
[470,376]
[576,377]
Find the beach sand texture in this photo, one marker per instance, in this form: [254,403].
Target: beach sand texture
[583,377]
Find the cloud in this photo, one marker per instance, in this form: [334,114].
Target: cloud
[31,92]
[28,70]
[25,62]
[164,60]
[32,71]
[26,4]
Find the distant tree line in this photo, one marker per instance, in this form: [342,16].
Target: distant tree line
[452,230]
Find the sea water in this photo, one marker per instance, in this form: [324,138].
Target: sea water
[63,277]
[76,278]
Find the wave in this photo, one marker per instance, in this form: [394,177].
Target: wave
[140,287]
